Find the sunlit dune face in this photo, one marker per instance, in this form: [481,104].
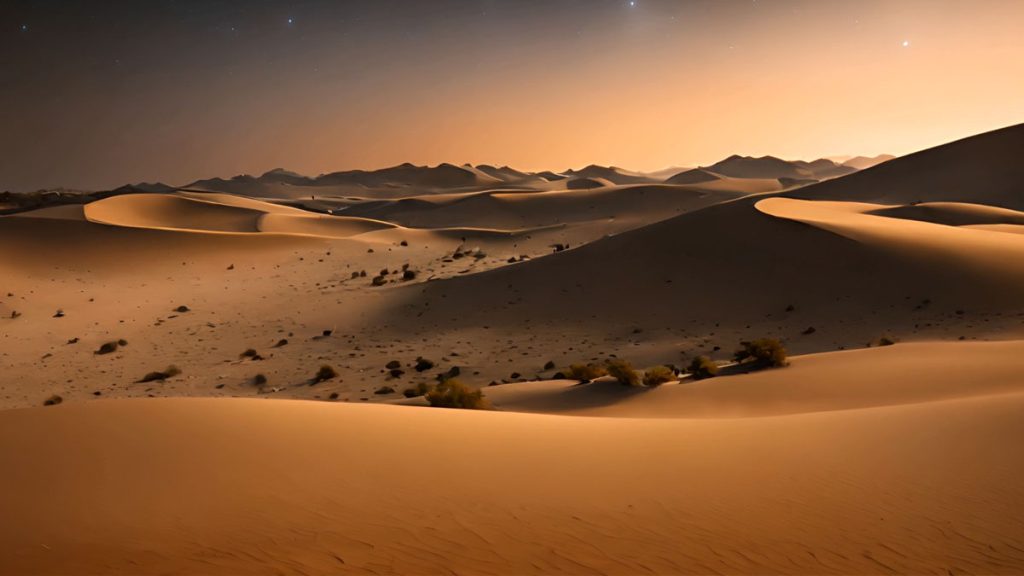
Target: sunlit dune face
[102,96]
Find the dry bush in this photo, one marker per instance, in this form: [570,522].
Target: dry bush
[585,372]
[454,394]
[762,353]
[623,371]
[702,367]
[325,373]
[658,375]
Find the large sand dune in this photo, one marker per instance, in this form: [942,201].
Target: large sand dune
[915,484]
[736,265]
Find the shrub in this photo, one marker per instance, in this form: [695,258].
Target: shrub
[584,372]
[420,389]
[53,400]
[886,341]
[384,390]
[250,353]
[658,375]
[325,373]
[454,394]
[623,371]
[259,380]
[170,372]
[107,348]
[702,367]
[762,353]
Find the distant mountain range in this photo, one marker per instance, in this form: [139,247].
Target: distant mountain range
[467,177]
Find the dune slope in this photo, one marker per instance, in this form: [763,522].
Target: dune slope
[230,486]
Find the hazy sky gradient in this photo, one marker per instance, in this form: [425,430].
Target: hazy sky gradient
[97,94]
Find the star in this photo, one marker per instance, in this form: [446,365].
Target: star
[291,20]
[906,44]
[24,27]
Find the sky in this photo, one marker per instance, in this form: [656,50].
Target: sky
[98,94]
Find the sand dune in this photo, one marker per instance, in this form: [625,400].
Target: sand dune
[694,176]
[983,169]
[869,264]
[265,487]
[632,205]
[856,458]
[864,162]
[848,380]
[954,213]
[221,213]
[612,174]
[583,183]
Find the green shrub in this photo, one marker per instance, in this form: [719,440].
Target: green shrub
[762,353]
[454,394]
[658,375]
[703,367]
[585,372]
[623,371]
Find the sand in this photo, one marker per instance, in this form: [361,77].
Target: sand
[229,486]
[856,458]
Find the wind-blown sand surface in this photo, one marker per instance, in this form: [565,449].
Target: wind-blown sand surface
[919,482]
[856,458]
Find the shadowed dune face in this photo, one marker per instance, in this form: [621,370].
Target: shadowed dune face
[984,169]
[740,262]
